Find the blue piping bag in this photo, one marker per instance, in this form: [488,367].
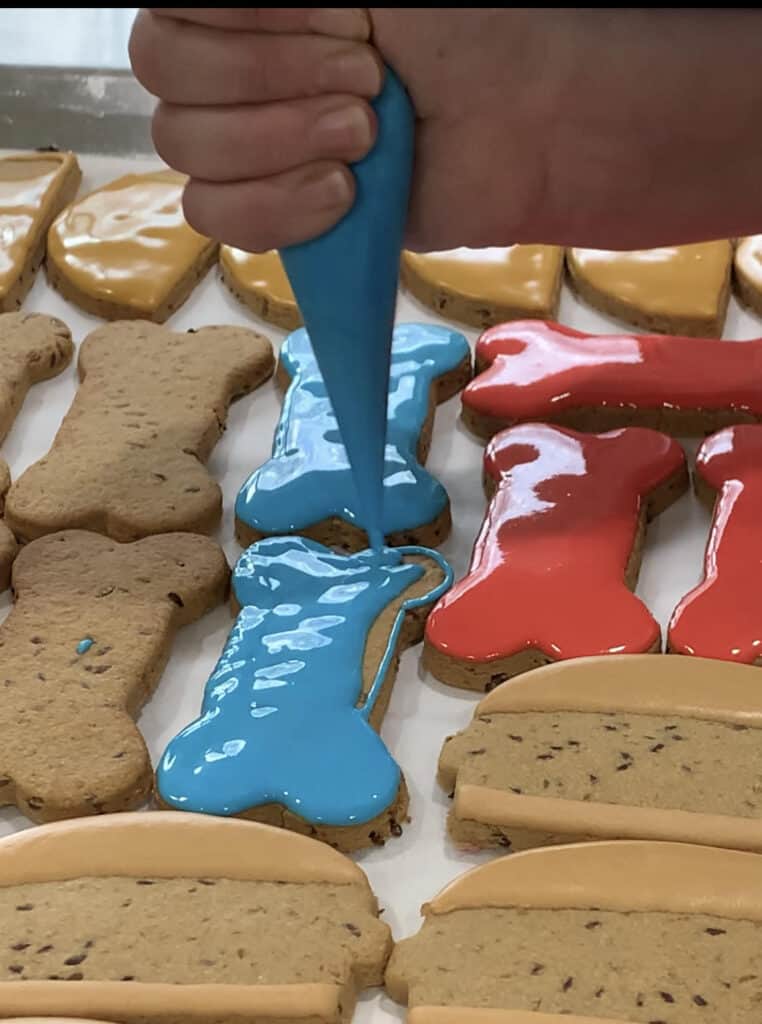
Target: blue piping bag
[345,283]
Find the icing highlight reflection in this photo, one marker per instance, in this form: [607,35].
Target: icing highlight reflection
[280,721]
[309,478]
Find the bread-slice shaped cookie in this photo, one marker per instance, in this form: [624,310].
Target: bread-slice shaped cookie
[307,486]
[128,459]
[747,266]
[34,188]
[680,289]
[558,555]
[486,286]
[610,932]
[258,280]
[157,917]
[126,251]
[638,747]
[532,370]
[288,731]
[83,649]
[721,617]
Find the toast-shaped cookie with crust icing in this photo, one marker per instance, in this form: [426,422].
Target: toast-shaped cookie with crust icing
[158,917]
[679,289]
[258,280]
[636,747]
[34,188]
[306,487]
[288,730]
[558,555]
[533,370]
[125,251]
[614,933]
[128,459]
[83,649]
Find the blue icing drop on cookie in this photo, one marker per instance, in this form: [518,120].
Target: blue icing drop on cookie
[308,479]
[279,721]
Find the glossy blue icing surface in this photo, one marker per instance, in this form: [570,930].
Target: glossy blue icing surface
[345,282]
[308,479]
[279,721]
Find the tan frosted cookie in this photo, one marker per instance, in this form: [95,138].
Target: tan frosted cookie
[258,280]
[168,918]
[83,649]
[288,728]
[34,188]
[747,266]
[646,747]
[33,348]
[681,289]
[128,459]
[126,250]
[612,932]
[486,286]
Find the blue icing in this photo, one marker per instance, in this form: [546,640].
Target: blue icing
[279,721]
[308,479]
[84,645]
[345,282]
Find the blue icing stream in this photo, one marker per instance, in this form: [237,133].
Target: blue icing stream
[308,479]
[279,721]
[345,282]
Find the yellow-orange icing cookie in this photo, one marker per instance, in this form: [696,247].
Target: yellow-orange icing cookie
[259,281]
[486,286]
[34,188]
[126,250]
[748,272]
[679,289]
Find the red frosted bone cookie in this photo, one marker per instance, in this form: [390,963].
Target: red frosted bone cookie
[721,617]
[537,370]
[559,551]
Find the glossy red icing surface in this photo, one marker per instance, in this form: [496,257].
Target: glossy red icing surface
[722,616]
[536,370]
[548,567]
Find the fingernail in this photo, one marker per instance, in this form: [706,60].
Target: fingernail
[355,70]
[347,128]
[343,22]
[330,189]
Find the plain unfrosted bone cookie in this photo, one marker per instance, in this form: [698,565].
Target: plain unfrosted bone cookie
[721,617]
[532,370]
[128,459]
[636,747]
[158,917]
[288,731]
[558,555]
[34,188]
[485,286]
[307,485]
[126,250]
[82,650]
[607,932]
[258,280]
[747,266]
[8,545]
[681,289]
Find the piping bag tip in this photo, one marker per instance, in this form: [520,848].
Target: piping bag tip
[345,283]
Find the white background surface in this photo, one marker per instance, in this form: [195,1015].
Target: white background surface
[409,870]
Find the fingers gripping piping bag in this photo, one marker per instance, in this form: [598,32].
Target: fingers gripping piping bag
[346,285]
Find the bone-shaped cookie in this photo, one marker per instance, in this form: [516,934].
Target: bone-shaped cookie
[307,485]
[33,348]
[83,648]
[287,726]
[559,551]
[8,545]
[128,459]
[534,370]
[721,617]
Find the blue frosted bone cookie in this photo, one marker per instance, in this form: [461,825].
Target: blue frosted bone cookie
[287,732]
[307,486]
